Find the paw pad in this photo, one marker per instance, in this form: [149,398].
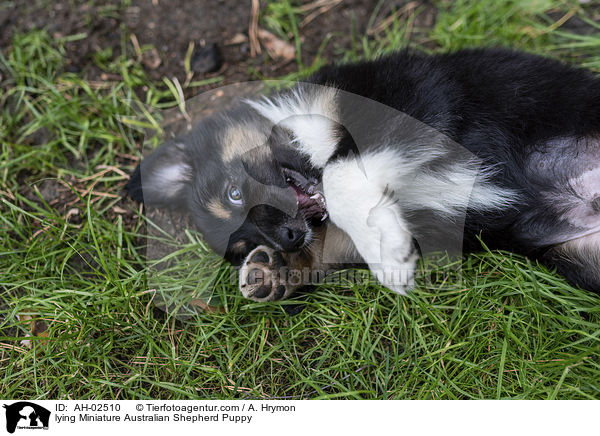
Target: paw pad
[261,275]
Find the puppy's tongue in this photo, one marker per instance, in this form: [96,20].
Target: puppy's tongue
[310,201]
[311,205]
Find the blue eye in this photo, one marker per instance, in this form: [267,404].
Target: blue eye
[234,195]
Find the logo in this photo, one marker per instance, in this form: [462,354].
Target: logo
[26,415]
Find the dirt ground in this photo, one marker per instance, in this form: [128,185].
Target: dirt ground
[170,26]
[164,30]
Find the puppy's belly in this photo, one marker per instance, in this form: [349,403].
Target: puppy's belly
[567,174]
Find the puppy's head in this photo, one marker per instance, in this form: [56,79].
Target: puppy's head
[240,180]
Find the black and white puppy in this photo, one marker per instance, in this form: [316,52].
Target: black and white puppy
[375,161]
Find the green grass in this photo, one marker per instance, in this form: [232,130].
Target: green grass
[511,329]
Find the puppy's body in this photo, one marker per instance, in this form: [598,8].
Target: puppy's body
[533,125]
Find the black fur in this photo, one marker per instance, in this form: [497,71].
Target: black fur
[502,106]
[535,120]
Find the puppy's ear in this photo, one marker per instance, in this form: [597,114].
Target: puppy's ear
[161,179]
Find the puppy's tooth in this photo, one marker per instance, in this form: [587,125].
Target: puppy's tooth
[319,197]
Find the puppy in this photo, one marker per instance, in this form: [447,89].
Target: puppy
[378,162]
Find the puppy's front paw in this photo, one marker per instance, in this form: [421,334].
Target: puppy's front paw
[397,273]
[398,257]
[263,275]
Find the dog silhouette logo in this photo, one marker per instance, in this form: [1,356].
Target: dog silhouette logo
[26,415]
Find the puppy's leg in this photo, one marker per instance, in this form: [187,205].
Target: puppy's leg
[360,203]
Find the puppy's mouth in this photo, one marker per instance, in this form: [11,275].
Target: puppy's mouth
[308,194]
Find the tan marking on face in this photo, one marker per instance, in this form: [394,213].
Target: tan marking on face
[218,209]
[238,140]
[239,246]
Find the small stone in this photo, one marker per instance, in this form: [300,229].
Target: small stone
[151,59]
[72,68]
[276,47]
[206,58]
[238,38]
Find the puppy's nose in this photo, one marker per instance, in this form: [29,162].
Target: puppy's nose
[291,238]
